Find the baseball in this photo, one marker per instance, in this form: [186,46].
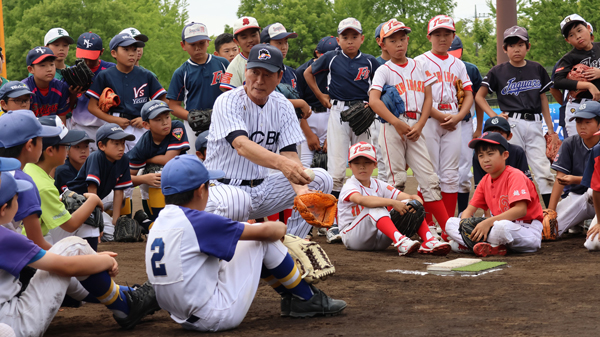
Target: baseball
[310,173]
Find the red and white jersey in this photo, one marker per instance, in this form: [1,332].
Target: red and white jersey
[447,70]
[409,79]
[347,210]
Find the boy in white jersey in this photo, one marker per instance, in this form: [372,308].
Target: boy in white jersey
[205,268]
[364,220]
[442,131]
[246,34]
[400,136]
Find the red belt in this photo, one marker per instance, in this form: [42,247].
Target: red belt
[445,106]
[411,115]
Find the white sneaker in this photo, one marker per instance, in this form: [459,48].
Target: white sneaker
[435,247]
[407,246]
[322,232]
[576,229]
[333,235]
[434,232]
[458,248]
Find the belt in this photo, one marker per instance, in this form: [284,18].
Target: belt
[250,183]
[445,106]
[411,114]
[192,319]
[524,115]
[318,109]
[348,103]
[126,115]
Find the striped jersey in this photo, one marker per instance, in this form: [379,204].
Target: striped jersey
[54,102]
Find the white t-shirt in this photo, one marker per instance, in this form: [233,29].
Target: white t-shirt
[348,211]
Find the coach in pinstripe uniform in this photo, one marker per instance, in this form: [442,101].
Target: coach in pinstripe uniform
[250,125]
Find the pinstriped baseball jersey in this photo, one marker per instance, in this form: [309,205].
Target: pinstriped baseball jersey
[447,72]
[234,77]
[409,79]
[273,126]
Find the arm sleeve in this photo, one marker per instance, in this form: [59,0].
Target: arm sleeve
[92,170]
[380,79]
[29,203]
[490,81]
[301,85]
[232,136]
[478,199]
[54,212]
[178,140]
[226,117]
[388,191]
[517,189]
[177,86]
[97,86]
[63,102]
[322,64]
[124,181]
[591,174]
[16,251]
[136,158]
[156,89]
[217,236]
[563,161]
[561,72]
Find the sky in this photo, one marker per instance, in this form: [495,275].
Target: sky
[216,13]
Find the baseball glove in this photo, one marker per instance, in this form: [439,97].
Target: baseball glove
[392,100]
[460,93]
[409,223]
[318,209]
[108,99]
[466,228]
[127,230]
[577,74]
[550,231]
[311,260]
[319,160]
[290,93]
[152,168]
[73,201]
[553,143]
[360,118]
[199,120]
[78,75]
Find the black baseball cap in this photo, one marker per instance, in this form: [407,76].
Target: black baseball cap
[39,54]
[497,122]
[456,49]
[491,138]
[66,136]
[112,131]
[265,56]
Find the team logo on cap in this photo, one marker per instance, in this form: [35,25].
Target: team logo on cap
[494,120]
[39,50]
[87,43]
[264,55]
[177,133]
[581,107]
[116,128]
[568,19]
[277,29]
[245,21]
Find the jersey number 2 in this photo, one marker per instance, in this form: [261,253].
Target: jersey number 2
[158,247]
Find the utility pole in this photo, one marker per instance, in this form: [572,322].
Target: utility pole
[506,17]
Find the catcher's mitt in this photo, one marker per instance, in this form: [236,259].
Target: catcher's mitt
[550,231]
[460,93]
[127,230]
[318,209]
[553,143]
[152,168]
[73,201]
[360,118]
[409,223]
[108,99]
[466,228]
[199,120]
[290,93]
[319,160]
[577,74]
[79,75]
[312,261]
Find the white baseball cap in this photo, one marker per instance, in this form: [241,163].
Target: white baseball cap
[349,23]
[567,22]
[194,32]
[55,34]
[362,149]
[275,31]
[244,23]
[135,33]
[393,26]
[440,21]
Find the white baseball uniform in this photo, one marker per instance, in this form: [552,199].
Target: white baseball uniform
[234,77]
[410,81]
[593,242]
[441,143]
[249,191]
[358,224]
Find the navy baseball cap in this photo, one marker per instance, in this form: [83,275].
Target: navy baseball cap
[124,40]
[490,137]
[456,49]
[154,108]
[19,126]
[66,136]
[194,32]
[39,54]
[89,46]
[265,56]
[9,186]
[378,30]
[497,122]
[185,173]
[328,43]
[202,140]
[14,89]
[9,164]
[135,34]
[587,110]
[275,31]
[112,131]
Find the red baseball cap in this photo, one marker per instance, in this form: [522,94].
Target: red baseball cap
[362,149]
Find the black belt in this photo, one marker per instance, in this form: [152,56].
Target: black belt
[193,319]
[251,183]
[319,109]
[348,103]
[128,116]
[524,115]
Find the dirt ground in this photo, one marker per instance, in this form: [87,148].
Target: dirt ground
[549,293]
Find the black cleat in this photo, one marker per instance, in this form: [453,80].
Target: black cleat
[143,220]
[141,302]
[319,305]
[286,304]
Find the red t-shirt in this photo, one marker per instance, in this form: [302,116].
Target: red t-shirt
[499,194]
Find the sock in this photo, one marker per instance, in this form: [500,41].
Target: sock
[438,210]
[449,200]
[424,232]
[266,275]
[463,201]
[387,227]
[107,292]
[288,275]
[428,216]
[546,198]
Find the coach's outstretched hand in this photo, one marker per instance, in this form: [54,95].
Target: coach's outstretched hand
[294,172]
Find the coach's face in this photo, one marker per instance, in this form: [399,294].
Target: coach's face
[260,83]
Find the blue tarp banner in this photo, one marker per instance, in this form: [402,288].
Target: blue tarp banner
[553,113]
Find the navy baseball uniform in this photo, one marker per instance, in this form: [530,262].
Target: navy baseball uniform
[519,90]
[304,90]
[146,148]
[64,174]
[289,76]
[381,60]
[107,175]
[55,101]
